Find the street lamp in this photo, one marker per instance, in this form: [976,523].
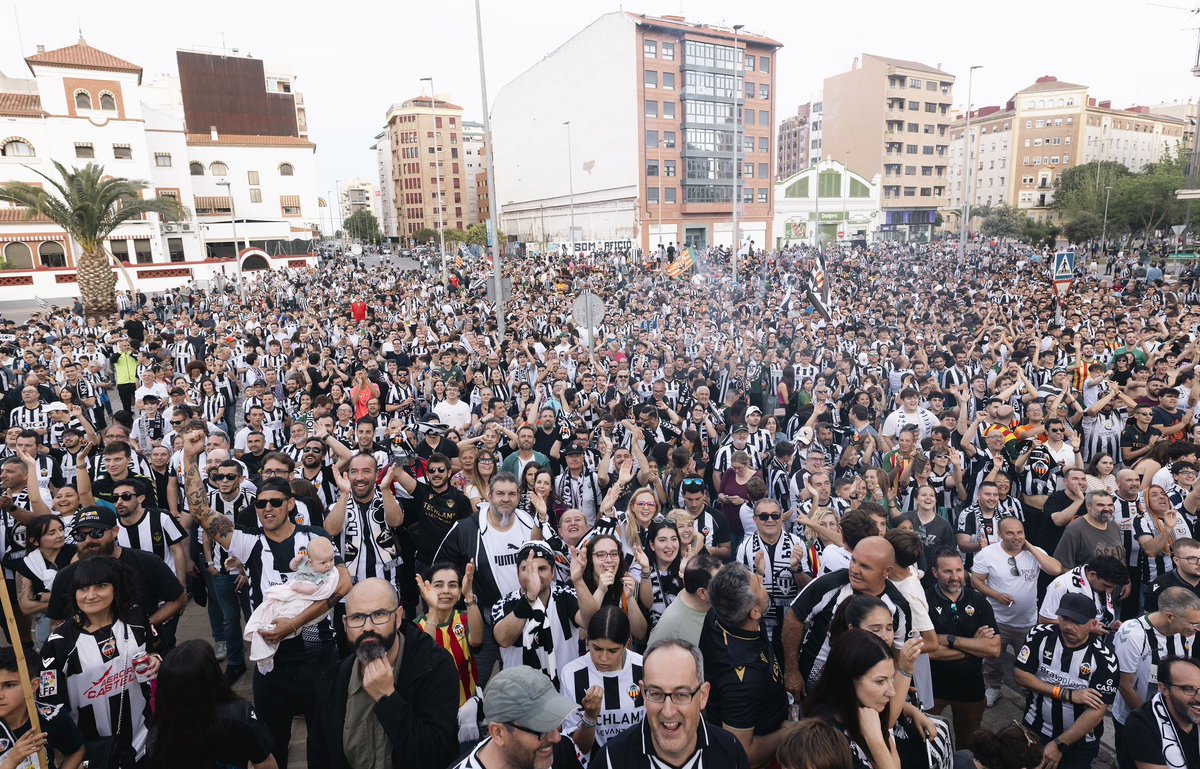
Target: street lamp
[1104,229]
[437,171]
[571,185]
[737,145]
[662,169]
[493,212]
[237,254]
[967,163]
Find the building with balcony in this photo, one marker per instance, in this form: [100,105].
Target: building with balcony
[791,146]
[215,137]
[386,184]
[649,154]
[358,195]
[473,152]
[1019,151]
[891,117]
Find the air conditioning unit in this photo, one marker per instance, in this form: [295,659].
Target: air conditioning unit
[186,227]
[170,227]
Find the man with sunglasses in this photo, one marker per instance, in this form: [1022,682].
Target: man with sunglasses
[434,508]
[778,558]
[157,593]
[1186,574]
[305,650]
[711,524]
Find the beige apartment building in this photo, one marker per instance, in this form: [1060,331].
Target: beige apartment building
[1018,152]
[426,135]
[891,117]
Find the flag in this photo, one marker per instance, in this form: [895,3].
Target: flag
[682,263]
[818,275]
[785,306]
[818,302]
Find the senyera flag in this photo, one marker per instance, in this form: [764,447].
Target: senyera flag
[682,263]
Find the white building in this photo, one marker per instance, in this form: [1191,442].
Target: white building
[383,162]
[83,105]
[842,207]
[472,137]
[358,195]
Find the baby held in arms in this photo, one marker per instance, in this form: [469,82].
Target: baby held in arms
[313,580]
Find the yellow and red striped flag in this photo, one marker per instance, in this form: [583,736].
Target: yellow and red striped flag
[682,263]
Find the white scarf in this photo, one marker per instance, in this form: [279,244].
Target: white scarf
[1172,748]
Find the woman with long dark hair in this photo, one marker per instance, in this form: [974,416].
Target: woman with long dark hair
[606,575]
[853,694]
[601,682]
[46,551]
[202,723]
[661,577]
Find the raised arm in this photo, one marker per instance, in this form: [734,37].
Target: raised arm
[216,526]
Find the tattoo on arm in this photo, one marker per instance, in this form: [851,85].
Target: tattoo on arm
[218,526]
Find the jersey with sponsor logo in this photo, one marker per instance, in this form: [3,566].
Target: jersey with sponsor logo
[1091,666]
[622,706]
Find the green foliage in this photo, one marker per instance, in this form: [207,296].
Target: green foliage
[1083,227]
[1142,202]
[1003,222]
[362,225]
[425,236]
[454,235]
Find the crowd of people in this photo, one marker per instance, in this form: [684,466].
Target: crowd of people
[728,527]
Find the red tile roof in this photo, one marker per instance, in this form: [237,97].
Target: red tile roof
[20,104]
[243,140]
[83,56]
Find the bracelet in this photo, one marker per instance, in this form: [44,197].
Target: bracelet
[1069,699]
[472,602]
[1057,693]
[901,671]
[585,723]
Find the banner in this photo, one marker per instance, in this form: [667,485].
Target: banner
[682,263]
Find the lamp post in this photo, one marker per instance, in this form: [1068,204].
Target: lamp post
[571,186]
[1104,229]
[237,254]
[493,212]
[737,146]
[967,163]
[437,172]
[662,169]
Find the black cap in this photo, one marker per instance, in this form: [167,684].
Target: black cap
[94,518]
[1077,607]
[740,427]
[574,451]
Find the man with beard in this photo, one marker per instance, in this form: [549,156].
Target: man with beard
[364,520]
[95,534]
[1091,535]
[306,642]
[434,508]
[1164,733]
[393,702]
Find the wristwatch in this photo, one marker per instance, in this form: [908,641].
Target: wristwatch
[1062,746]
[951,640]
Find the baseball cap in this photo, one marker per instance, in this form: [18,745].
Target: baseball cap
[94,518]
[753,410]
[740,427]
[573,450]
[1077,607]
[57,406]
[525,697]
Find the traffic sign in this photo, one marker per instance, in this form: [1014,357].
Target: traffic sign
[1178,228]
[1063,271]
[588,310]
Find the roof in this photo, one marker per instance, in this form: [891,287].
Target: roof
[906,64]
[83,56]
[1050,85]
[682,24]
[20,104]
[426,102]
[245,140]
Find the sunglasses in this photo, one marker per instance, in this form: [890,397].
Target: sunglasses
[80,536]
[262,504]
[176,422]
[314,450]
[769,516]
[225,477]
[125,497]
[693,483]
[1012,566]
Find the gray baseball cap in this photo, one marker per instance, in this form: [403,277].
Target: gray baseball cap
[525,696]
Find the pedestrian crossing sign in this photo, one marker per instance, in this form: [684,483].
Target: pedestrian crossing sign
[1063,271]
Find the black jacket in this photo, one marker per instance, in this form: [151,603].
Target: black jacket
[632,748]
[420,718]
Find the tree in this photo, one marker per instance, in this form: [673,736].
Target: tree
[425,236]
[1003,222]
[1082,188]
[477,235]
[454,235]
[1083,227]
[1146,201]
[89,206]
[363,225]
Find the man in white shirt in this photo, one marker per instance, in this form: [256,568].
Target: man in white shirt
[910,413]
[453,413]
[1007,573]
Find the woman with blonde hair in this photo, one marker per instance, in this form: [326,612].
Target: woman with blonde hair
[362,391]
[484,467]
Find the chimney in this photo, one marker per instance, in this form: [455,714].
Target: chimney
[212,132]
[41,49]
[854,66]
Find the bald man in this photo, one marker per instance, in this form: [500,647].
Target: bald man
[806,626]
[396,694]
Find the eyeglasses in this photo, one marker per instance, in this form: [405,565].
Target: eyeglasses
[128,495]
[225,477]
[1191,560]
[1029,738]
[769,516]
[80,536]
[540,735]
[1012,566]
[606,554]
[261,504]
[646,503]
[377,617]
[176,422]
[1188,691]
[678,697]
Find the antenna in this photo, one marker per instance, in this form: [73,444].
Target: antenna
[17,17]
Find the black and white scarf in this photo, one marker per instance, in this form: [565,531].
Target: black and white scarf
[1172,748]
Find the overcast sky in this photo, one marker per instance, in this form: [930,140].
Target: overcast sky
[353,59]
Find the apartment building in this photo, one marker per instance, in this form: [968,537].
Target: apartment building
[428,167]
[791,146]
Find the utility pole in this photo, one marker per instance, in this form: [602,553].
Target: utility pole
[967,163]
[437,172]
[737,145]
[494,214]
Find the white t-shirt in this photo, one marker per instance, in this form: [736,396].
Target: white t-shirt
[834,558]
[454,415]
[502,547]
[992,562]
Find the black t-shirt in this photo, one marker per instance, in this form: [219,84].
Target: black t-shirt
[1134,438]
[244,739]
[1145,742]
[153,584]
[444,447]
[747,681]
[62,734]
[959,680]
[431,515]
[1048,533]
[1170,579]
[17,563]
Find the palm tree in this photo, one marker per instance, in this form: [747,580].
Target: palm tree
[89,206]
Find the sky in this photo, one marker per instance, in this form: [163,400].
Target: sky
[354,59]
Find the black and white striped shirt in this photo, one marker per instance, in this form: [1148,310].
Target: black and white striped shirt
[780,580]
[1149,525]
[622,707]
[1091,666]
[367,541]
[154,533]
[29,418]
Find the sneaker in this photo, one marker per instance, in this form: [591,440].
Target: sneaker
[222,651]
[993,696]
[234,672]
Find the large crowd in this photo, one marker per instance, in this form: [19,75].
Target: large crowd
[735,525]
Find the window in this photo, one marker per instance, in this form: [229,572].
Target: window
[196,169]
[652,139]
[1037,142]
[931,86]
[668,138]
[764,117]
[748,117]
[650,79]
[668,110]
[927,150]
[910,192]
[747,195]
[764,91]
[120,249]
[252,178]
[668,51]
[16,148]
[749,90]
[763,173]
[668,168]
[141,251]
[108,102]
[83,150]
[1040,123]
[748,144]
[19,256]
[175,249]
[83,100]
[255,195]
[910,170]
[218,169]
[762,195]
[668,81]
[51,254]
[914,128]
[122,152]
[162,159]
[652,168]
[669,195]
[765,64]
[652,195]
[913,106]
[926,191]
[926,170]
[650,49]
[914,83]
[911,149]
[652,109]
[747,170]
[762,143]
[285,169]
[1067,140]
[289,205]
